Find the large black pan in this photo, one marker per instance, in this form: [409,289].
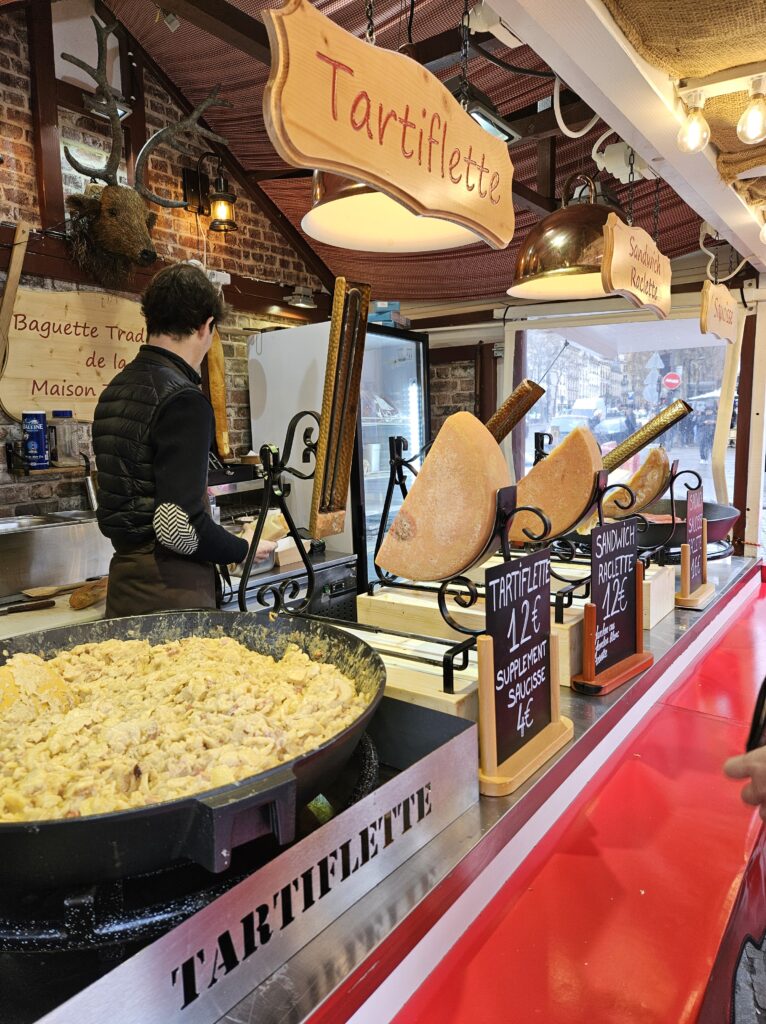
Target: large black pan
[720,519]
[203,828]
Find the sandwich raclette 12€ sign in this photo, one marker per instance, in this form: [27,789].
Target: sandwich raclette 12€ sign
[335,103]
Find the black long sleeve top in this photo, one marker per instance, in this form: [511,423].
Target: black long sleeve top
[182,434]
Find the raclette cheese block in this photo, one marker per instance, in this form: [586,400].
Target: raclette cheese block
[647,483]
[561,485]
[448,515]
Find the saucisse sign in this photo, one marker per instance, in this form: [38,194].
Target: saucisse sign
[335,103]
[718,312]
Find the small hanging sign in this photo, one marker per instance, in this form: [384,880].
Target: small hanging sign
[634,267]
[718,312]
[335,103]
[519,722]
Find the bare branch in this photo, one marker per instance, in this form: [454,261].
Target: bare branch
[172,136]
[105,99]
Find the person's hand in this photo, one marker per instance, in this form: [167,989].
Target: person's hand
[752,766]
[264,549]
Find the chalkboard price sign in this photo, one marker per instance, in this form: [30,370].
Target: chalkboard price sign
[519,621]
[694,511]
[613,591]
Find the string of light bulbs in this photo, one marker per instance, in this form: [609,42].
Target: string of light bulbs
[694,133]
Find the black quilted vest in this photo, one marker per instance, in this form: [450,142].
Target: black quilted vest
[122,441]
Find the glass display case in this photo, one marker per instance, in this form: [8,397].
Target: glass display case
[394,402]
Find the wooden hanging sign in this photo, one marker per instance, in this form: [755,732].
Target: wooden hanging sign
[65,347]
[613,649]
[335,103]
[695,591]
[519,722]
[718,312]
[634,267]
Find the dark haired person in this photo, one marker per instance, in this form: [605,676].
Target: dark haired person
[152,433]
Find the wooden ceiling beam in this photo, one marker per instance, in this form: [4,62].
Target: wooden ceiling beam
[281,222]
[226,22]
[542,124]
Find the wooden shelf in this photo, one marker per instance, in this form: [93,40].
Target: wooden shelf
[54,471]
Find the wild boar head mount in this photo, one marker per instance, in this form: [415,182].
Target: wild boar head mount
[110,227]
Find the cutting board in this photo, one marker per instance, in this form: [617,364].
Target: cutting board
[415,611]
[417,683]
[48,618]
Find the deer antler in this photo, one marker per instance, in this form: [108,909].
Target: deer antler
[103,101]
[171,134]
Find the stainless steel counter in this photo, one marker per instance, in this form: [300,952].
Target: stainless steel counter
[337,971]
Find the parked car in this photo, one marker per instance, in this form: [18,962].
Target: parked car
[565,424]
[613,428]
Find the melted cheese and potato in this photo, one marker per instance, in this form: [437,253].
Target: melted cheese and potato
[116,725]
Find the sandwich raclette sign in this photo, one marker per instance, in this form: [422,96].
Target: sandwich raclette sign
[335,103]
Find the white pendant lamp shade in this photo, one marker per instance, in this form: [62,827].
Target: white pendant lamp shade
[351,215]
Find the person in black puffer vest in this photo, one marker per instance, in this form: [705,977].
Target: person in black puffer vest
[152,433]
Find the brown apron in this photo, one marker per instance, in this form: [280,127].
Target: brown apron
[153,579]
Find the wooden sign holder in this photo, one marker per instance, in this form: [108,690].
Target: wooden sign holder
[703,595]
[599,683]
[501,779]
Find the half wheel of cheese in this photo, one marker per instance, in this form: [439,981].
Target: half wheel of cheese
[448,515]
[647,483]
[561,485]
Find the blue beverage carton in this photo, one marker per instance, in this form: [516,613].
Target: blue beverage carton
[35,438]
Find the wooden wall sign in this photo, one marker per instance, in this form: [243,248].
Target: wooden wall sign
[718,312]
[519,722]
[65,347]
[634,267]
[335,103]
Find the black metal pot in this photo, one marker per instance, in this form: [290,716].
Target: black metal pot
[206,827]
[720,519]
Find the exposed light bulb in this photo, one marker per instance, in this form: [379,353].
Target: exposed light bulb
[762,235]
[751,127]
[694,133]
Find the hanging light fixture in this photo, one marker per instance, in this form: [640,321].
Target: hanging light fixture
[302,297]
[561,256]
[353,215]
[751,127]
[694,133]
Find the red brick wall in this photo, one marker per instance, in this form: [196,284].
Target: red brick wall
[453,389]
[255,250]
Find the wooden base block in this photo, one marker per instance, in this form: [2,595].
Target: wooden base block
[416,611]
[659,594]
[608,680]
[698,599]
[518,768]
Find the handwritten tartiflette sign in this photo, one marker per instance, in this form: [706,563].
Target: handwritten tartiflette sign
[634,267]
[65,347]
[337,104]
[718,312]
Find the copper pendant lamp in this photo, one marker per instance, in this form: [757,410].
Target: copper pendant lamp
[352,215]
[561,256]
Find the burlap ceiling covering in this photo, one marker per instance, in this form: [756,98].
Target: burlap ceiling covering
[695,38]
